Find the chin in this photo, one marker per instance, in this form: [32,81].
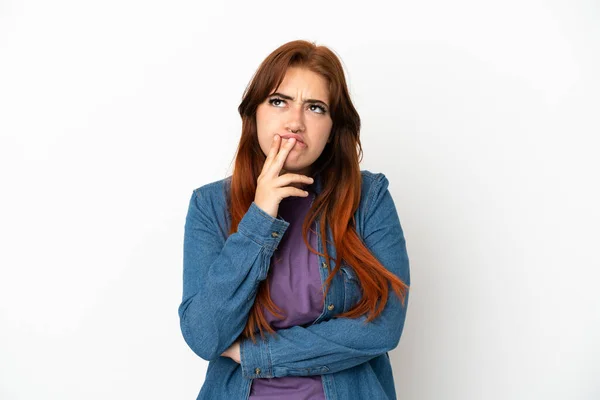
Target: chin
[294,167]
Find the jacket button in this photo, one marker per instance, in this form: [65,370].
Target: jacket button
[274,234]
[257,370]
[330,307]
[324,264]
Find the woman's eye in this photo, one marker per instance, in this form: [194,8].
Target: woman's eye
[321,109]
[275,102]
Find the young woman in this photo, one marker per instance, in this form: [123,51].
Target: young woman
[296,274]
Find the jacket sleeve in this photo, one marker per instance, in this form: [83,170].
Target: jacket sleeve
[221,274]
[340,343]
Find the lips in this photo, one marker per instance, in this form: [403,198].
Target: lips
[297,137]
[300,144]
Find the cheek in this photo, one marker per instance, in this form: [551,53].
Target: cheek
[264,129]
[323,130]
[264,120]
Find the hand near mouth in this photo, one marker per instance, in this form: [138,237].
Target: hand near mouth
[271,186]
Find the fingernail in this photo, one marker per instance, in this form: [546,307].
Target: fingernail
[276,137]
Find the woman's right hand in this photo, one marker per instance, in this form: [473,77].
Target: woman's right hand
[271,187]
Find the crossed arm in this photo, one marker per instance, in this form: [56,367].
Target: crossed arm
[215,310]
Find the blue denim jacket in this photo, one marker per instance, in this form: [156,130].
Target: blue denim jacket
[221,273]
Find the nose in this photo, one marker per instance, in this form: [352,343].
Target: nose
[295,122]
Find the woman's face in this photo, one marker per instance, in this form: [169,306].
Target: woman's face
[300,105]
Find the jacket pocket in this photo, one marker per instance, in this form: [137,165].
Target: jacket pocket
[352,290]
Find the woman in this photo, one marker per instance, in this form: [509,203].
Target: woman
[296,274]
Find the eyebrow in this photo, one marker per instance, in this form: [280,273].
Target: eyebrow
[285,97]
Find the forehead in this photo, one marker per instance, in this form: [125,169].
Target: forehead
[306,83]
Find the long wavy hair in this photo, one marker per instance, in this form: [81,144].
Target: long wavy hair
[338,166]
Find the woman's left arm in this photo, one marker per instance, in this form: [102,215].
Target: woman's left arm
[341,343]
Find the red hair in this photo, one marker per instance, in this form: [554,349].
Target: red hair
[338,165]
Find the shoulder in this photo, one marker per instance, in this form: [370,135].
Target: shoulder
[213,192]
[214,186]
[369,178]
[373,185]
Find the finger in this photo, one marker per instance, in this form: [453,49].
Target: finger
[282,155]
[286,179]
[273,150]
[293,191]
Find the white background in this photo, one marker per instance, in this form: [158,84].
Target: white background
[484,116]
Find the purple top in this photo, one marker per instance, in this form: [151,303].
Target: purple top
[295,287]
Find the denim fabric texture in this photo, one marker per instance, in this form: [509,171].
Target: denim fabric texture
[221,273]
